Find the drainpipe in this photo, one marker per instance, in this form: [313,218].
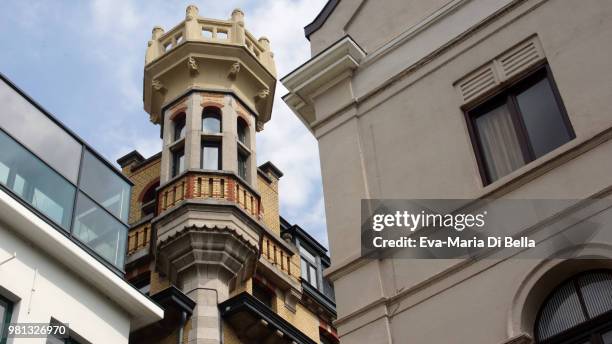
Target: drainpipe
[182,326]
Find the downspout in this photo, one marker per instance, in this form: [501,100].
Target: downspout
[182,326]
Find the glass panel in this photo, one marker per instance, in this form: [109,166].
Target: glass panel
[545,124]
[210,157]
[561,312]
[304,270]
[40,134]
[313,276]
[500,145]
[99,231]
[178,164]
[211,124]
[597,292]
[242,165]
[306,254]
[103,184]
[35,182]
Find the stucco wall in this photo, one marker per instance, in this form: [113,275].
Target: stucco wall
[58,293]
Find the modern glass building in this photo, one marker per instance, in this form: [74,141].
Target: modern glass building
[57,175]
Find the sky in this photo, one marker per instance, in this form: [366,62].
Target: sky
[83,61]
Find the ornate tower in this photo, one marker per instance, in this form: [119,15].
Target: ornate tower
[210,85]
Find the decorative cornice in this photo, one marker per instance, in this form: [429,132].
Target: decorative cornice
[319,73]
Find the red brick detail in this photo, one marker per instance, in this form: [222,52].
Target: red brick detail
[208,103]
[231,188]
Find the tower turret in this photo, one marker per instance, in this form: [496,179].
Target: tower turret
[210,85]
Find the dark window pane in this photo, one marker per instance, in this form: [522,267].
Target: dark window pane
[6,308]
[178,162]
[242,165]
[100,231]
[179,128]
[35,182]
[210,157]
[105,186]
[606,338]
[38,133]
[242,131]
[499,143]
[262,294]
[304,270]
[543,119]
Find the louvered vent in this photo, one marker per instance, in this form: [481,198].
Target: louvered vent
[477,83]
[519,58]
[507,65]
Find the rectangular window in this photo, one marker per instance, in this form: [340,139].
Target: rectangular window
[211,160]
[101,232]
[6,310]
[178,162]
[262,294]
[242,165]
[519,125]
[104,186]
[35,183]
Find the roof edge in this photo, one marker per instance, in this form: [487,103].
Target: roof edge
[321,18]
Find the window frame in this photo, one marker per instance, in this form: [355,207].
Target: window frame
[8,308]
[174,168]
[179,127]
[507,96]
[216,144]
[212,112]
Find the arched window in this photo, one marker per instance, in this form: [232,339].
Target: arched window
[578,311]
[179,127]
[211,120]
[243,129]
[148,200]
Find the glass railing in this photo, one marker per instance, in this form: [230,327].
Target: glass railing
[60,178]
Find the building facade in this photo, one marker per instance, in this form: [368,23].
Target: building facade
[62,236]
[206,238]
[463,99]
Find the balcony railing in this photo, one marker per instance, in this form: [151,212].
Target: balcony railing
[197,29]
[209,185]
[61,179]
[139,238]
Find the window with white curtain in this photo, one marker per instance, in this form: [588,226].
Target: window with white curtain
[518,125]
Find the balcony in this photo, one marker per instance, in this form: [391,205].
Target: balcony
[59,178]
[220,186]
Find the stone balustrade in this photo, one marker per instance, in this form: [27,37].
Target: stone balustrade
[209,185]
[139,238]
[198,29]
[279,257]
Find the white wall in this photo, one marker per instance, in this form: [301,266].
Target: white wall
[58,293]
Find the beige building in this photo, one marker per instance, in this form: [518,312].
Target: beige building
[463,99]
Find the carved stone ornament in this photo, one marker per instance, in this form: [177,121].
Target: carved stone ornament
[193,66]
[263,94]
[234,69]
[158,85]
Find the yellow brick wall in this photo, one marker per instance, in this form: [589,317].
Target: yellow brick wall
[269,203]
[303,318]
[141,178]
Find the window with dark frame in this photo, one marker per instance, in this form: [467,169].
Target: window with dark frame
[518,125]
[6,311]
[211,155]
[242,164]
[211,120]
[178,161]
[263,294]
[179,127]
[578,311]
[242,128]
[309,271]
